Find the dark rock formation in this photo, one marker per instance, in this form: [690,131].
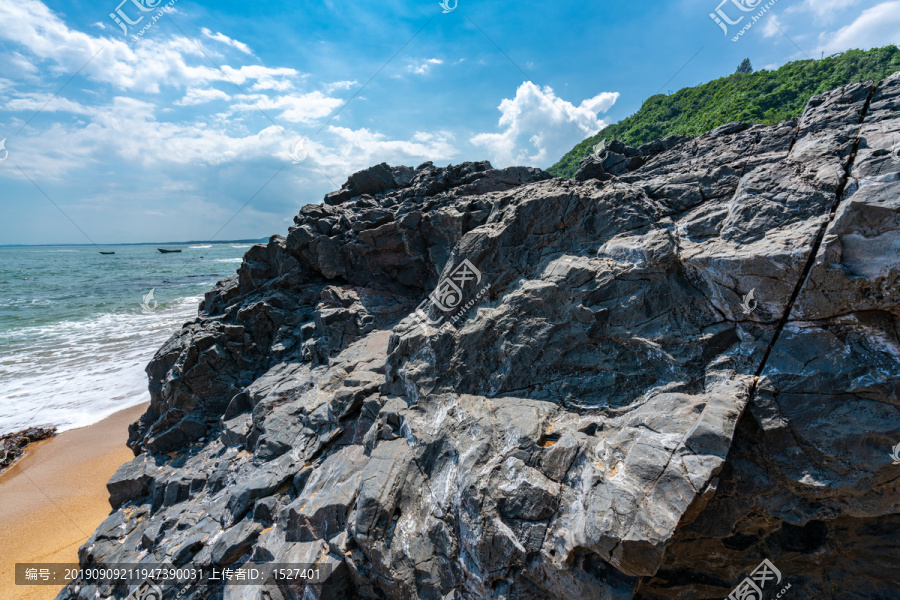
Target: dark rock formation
[12,445]
[617,158]
[680,366]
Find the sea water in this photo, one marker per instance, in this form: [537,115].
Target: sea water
[76,332]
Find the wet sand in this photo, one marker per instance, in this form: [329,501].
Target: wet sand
[54,497]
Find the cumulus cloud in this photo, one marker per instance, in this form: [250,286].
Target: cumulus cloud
[221,37]
[129,128]
[876,26]
[294,108]
[266,78]
[126,136]
[423,67]
[132,133]
[201,96]
[538,127]
[350,150]
[151,63]
[42,34]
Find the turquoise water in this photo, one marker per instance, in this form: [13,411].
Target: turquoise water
[74,336]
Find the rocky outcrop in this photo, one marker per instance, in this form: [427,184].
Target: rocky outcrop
[636,385]
[617,158]
[12,445]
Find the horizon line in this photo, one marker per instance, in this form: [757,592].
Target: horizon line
[244,241]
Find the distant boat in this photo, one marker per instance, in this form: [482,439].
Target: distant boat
[107,253]
[164,251]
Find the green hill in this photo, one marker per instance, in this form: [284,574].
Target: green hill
[766,97]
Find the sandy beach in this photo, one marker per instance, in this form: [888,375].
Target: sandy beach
[55,496]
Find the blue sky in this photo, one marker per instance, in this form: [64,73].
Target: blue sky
[166,136]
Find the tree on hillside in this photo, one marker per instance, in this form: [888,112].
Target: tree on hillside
[745,67]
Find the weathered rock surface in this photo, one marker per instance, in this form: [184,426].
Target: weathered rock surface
[686,362]
[617,158]
[12,445]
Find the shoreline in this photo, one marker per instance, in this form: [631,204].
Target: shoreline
[55,496]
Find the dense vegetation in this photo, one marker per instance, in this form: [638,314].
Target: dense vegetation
[767,97]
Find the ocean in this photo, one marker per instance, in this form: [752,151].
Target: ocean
[76,332]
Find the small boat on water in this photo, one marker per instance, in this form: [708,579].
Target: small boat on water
[164,251]
[107,253]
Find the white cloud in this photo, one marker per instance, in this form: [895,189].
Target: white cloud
[423,67]
[295,108]
[126,135]
[339,85]
[121,141]
[771,28]
[876,26]
[221,37]
[31,103]
[43,35]
[152,63]
[201,96]
[538,127]
[278,79]
[18,66]
[352,150]
[126,140]
[130,135]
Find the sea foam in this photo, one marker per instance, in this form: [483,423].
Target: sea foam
[74,373]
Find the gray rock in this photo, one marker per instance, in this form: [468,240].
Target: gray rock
[680,364]
[131,480]
[235,542]
[12,445]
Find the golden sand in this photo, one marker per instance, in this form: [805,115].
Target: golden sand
[53,498]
